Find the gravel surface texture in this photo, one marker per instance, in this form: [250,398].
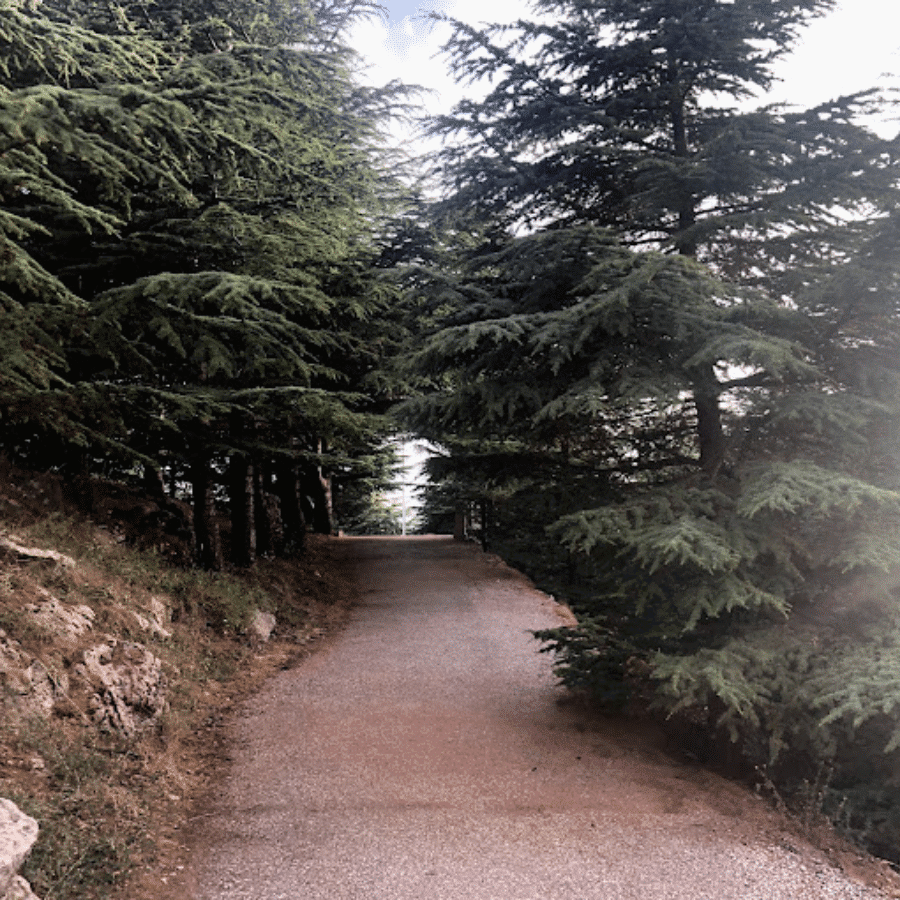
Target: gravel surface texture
[428,754]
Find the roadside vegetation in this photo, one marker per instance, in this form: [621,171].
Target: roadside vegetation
[194,239]
[112,806]
[663,360]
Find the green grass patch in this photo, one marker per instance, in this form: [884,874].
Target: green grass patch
[89,820]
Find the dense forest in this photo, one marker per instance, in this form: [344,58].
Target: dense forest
[196,200]
[651,320]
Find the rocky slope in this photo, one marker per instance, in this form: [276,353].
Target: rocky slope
[116,664]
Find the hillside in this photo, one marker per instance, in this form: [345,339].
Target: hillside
[118,665]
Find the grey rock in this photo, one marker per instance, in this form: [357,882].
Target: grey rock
[65,623]
[261,627]
[12,658]
[27,681]
[129,684]
[35,552]
[40,688]
[152,626]
[20,889]
[18,833]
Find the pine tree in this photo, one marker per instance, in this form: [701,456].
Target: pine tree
[53,113]
[670,334]
[227,307]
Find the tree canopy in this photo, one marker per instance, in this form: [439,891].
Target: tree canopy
[194,195]
[665,347]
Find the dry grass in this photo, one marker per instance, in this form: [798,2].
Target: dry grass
[111,810]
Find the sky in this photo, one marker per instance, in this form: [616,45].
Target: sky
[848,50]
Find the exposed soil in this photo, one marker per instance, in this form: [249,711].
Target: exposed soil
[425,750]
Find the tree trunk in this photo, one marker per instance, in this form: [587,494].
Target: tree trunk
[241,492]
[710,433]
[326,519]
[76,462]
[686,207]
[323,498]
[323,520]
[206,530]
[269,528]
[459,525]
[287,484]
[307,491]
[154,483]
[243,519]
[316,493]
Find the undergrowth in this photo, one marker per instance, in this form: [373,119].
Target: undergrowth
[225,600]
[814,702]
[90,822]
[99,799]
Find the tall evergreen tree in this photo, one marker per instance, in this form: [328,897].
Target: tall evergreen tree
[53,138]
[676,343]
[228,305]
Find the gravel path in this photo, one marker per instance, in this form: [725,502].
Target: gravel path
[427,754]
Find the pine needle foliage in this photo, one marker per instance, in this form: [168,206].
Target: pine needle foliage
[193,197]
[674,304]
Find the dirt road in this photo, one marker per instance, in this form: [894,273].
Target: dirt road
[426,755]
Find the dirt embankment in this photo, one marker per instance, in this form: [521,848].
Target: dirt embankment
[117,670]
